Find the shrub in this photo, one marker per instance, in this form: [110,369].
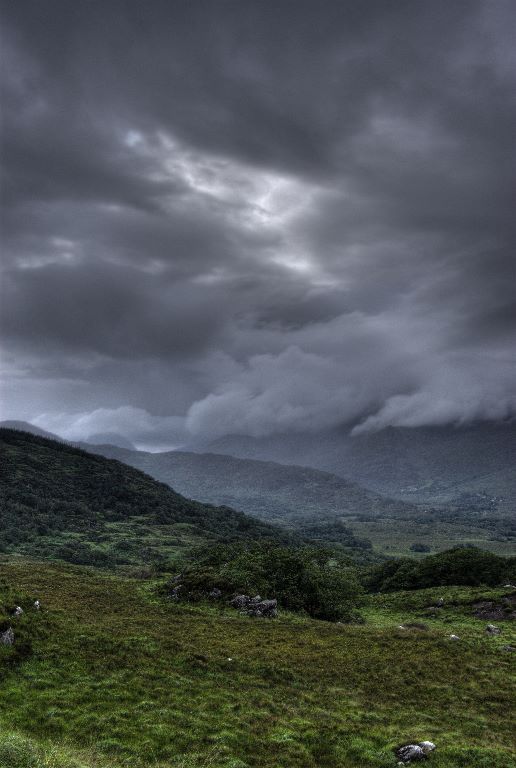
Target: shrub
[461,566]
[306,579]
[418,546]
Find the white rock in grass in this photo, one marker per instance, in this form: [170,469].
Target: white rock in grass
[454,637]
[427,746]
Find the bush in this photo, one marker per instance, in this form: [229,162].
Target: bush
[306,579]
[418,546]
[461,566]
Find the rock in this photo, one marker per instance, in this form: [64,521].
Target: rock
[7,637]
[492,630]
[175,593]
[427,746]
[240,602]
[18,611]
[37,605]
[440,602]
[410,752]
[454,637]
[509,648]
[491,610]
[255,600]
[267,609]
[215,594]
[255,606]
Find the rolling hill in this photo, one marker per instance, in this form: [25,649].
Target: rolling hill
[265,489]
[322,505]
[59,501]
[431,465]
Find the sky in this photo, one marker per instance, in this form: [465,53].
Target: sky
[257,217]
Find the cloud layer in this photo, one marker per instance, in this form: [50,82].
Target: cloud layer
[251,217]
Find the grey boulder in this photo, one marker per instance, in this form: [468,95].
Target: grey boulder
[255,606]
[410,752]
[419,751]
[7,637]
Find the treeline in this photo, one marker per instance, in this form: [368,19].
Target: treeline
[322,584]
[308,579]
[461,566]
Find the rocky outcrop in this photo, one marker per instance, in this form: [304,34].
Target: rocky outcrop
[240,602]
[255,606]
[496,610]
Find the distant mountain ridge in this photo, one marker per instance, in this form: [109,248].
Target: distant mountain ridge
[267,490]
[97,438]
[59,501]
[25,426]
[422,465]
[417,464]
[326,507]
[321,505]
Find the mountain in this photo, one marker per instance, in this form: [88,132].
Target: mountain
[58,501]
[110,438]
[325,506]
[420,464]
[98,438]
[25,426]
[265,489]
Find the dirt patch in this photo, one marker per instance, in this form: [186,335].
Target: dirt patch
[496,610]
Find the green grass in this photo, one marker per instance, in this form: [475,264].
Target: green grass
[393,536]
[120,678]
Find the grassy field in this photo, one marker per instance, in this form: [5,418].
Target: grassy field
[393,536]
[118,677]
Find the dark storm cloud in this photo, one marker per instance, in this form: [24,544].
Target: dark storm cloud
[258,216]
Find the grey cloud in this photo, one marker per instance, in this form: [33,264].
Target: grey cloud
[271,215]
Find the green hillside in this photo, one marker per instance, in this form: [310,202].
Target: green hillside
[59,501]
[416,464]
[265,489]
[118,677]
[318,504]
